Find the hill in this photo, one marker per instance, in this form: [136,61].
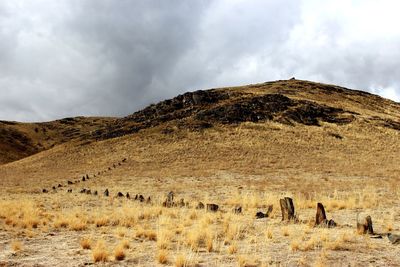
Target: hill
[289,102]
[20,140]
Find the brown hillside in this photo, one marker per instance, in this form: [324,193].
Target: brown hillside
[19,140]
[288,102]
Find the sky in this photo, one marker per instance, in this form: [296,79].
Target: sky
[69,58]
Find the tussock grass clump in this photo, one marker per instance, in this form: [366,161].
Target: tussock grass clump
[16,246]
[61,222]
[232,249]
[164,238]
[21,213]
[102,221]
[285,231]
[119,253]
[77,224]
[200,237]
[86,243]
[125,244]
[100,253]
[268,233]
[162,256]
[233,230]
[148,234]
[181,260]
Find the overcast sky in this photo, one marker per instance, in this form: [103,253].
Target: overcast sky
[76,57]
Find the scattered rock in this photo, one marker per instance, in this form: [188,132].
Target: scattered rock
[83,190]
[394,239]
[141,198]
[320,218]
[237,210]
[260,215]
[69,182]
[200,206]
[106,193]
[169,201]
[181,203]
[287,209]
[366,226]
[212,207]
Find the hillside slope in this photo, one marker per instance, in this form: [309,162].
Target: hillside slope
[284,128]
[288,102]
[19,140]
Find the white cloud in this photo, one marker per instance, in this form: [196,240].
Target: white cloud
[100,57]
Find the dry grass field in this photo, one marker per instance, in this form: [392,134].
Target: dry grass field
[348,160]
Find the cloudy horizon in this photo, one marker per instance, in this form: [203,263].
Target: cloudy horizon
[111,58]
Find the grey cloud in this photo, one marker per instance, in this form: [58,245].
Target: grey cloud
[102,57]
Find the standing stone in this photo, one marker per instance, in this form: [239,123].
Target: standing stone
[366,226]
[212,207]
[320,217]
[106,193]
[287,209]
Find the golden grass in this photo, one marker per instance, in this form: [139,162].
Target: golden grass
[125,244]
[162,256]
[164,237]
[180,260]
[100,253]
[232,249]
[86,243]
[16,246]
[119,253]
